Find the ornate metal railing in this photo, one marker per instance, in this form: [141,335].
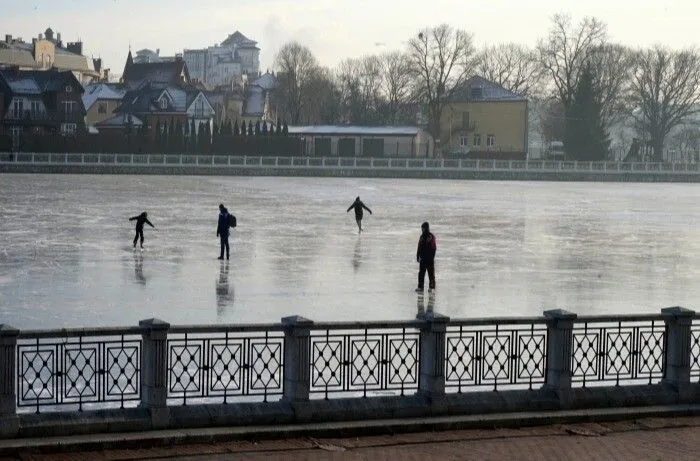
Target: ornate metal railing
[695,352]
[219,160]
[75,369]
[618,350]
[494,354]
[364,359]
[222,364]
[155,364]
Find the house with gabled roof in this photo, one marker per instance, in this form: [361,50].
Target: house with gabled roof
[481,119]
[160,94]
[40,102]
[101,100]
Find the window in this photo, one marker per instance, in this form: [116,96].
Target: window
[465,120]
[68,128]
[477,140]
[102,108]
[68,107]
[463,141]
[164,103]
[35,107]
[17,108]
[69,88]
[490,140]
[16,133]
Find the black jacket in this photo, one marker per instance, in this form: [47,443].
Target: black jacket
[427,246]
[358,206]
[140,221]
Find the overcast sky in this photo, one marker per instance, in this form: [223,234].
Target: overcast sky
[332,29]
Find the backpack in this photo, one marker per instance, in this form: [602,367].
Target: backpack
[231,220]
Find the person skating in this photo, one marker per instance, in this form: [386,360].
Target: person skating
[222,230]
[358,206]
[140,221]
[427,246]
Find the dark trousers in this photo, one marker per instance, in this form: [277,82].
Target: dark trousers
[139,234]
[430,267]
[224,244]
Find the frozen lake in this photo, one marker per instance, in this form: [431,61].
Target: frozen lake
[504,248]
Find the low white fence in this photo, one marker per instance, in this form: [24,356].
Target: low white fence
[219,161]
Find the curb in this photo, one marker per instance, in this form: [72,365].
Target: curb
[133,440]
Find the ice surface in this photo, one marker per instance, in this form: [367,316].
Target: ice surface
[504,248]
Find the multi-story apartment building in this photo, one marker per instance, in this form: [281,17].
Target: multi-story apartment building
[224,64]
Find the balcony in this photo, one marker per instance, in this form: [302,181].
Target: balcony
[31,116]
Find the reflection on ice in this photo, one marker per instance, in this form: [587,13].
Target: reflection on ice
[504,248]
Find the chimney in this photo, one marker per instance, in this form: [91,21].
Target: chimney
[58,37]
[75,47]
[40,37]
[8,38]
[157,51]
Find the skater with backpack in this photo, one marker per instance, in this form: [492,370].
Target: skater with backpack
[226,220]
[425,255]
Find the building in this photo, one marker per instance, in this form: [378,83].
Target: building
[161,94]
[40,102]
[484,120]
[145,55]
[257,98]
[101,100]
[222,65]
[363,141]
[47,51]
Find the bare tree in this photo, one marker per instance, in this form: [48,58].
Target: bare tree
[612,67]
[664,92]
[296,66]
[565,51]
[397,84]
[514,67]
[360,82]
[442,58]
[324,106]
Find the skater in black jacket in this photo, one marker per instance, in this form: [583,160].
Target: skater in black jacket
[358,206]
[140,221]
[425,255]
[222,230]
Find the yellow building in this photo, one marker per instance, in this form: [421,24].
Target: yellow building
[484,120]
[100,101]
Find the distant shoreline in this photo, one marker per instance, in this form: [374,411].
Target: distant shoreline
[348,167]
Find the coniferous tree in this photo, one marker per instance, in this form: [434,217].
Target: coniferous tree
[186,136]
[243,128]
[278,130]
[264,128]
[193,136]
[236,130]
[202,137]
[257,128]
[179,138]
[285,129]
[586,138]
[250,128]
[158,133]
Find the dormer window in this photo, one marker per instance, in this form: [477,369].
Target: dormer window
[164,103]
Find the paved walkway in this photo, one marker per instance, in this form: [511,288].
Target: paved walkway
[639,440]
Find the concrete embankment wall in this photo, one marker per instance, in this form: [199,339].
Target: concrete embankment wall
[363,172]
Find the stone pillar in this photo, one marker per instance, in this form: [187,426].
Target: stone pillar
[9,422]
[154,369]
[431,365]
[560,324]
[297,358]
[678,321]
